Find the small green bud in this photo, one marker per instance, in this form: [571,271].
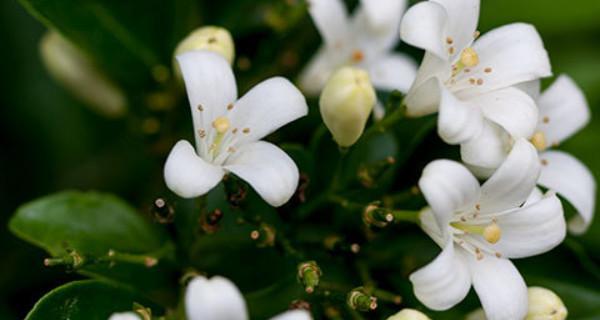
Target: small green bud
[346,104]
[545,305]
[409,314]
[309,275]
[76,71]
[377,216]
[210,38]
[359,300]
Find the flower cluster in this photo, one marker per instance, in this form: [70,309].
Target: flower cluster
[485,90]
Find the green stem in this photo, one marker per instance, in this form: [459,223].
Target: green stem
[386,122]
[406,216]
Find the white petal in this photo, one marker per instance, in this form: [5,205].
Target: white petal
[216,298]
[317,71]
[393,72]
[424,26]
[293,315]
[429,224]
[124,316]
[384,14]
[463,17]
[563,110]
[423,99]
[571,179]
[331,19]
[187,174]
[515,53]
[444,282]
[500,287]
[458,121]
[448,187]
[533,88]
[488,150]
[269,170]
[512,109]
[266,107]
[510,186]
[534,229]
[210,84]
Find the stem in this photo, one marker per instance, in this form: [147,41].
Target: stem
[406,216]
[386,122]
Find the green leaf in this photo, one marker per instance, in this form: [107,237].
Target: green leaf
[93,223]
[86,300]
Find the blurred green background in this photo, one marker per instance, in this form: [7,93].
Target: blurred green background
[51,142]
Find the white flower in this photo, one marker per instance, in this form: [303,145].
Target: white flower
[409,314]
[218,298]
[125,316]
[228,132]
[563,112]
[481,227]
[365,40]
[470,82]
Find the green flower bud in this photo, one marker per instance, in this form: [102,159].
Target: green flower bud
[71,67]
[409,314]
[346,103]
[210,38]
[545,304]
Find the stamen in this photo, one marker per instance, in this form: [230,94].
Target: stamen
[544,162]
[539,141]
[546,120]
[200,108]
[479,82]
[202,133]
[246,130]
[449,40]
[221,124]
[476,34]
[230,106]
[357,56]
[234,131]
[487,70]
[469,57]
[451,50]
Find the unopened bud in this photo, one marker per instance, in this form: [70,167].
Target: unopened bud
[545,305]
[76,71]
[374,215]
[211,38]
[358,300]
[409,314]
[346,104]
[309,275]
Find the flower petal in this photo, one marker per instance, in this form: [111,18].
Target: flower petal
[571,179]
[533,88]
[214,299]
[458,121]
[563,110]
[500,287]
[384,14]
[269,170]
[210,86]
[124,316]
[266,107]
[188,175]
[331,19]
[512,109]
[534,229]
[393,72]
[510,186]
[424,26]
[293,315]
[514,53]
[488,150]
[448,187]
[444,282]
[423,99]
[463,17]
[429,224]
[317,71]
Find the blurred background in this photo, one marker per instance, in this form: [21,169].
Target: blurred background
[51,142]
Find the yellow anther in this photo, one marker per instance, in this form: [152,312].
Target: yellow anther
[492,233]
[539,141]
[469,57]
[357,56]
[221,124]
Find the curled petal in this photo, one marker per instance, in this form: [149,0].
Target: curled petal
[444,282]
[487,150]
[510,108]
[448,187]
[571,179]
[187,174]
[458,121]
[463,17]
[423,99]
[424,26]
[510,186]
[534,229]
[563,110]
[269,170]
[216,298]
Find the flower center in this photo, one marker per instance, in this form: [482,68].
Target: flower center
[476,234]
[221,124]
[539,141]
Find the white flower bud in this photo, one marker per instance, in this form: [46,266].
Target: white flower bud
[409,314]
[210,38]
[545,304]
[77,73]
[346,104]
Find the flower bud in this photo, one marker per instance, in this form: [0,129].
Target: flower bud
[545,304]
[409,314]
[358,299]
[210,38]
[346,104]
[71,67]
[309,275]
